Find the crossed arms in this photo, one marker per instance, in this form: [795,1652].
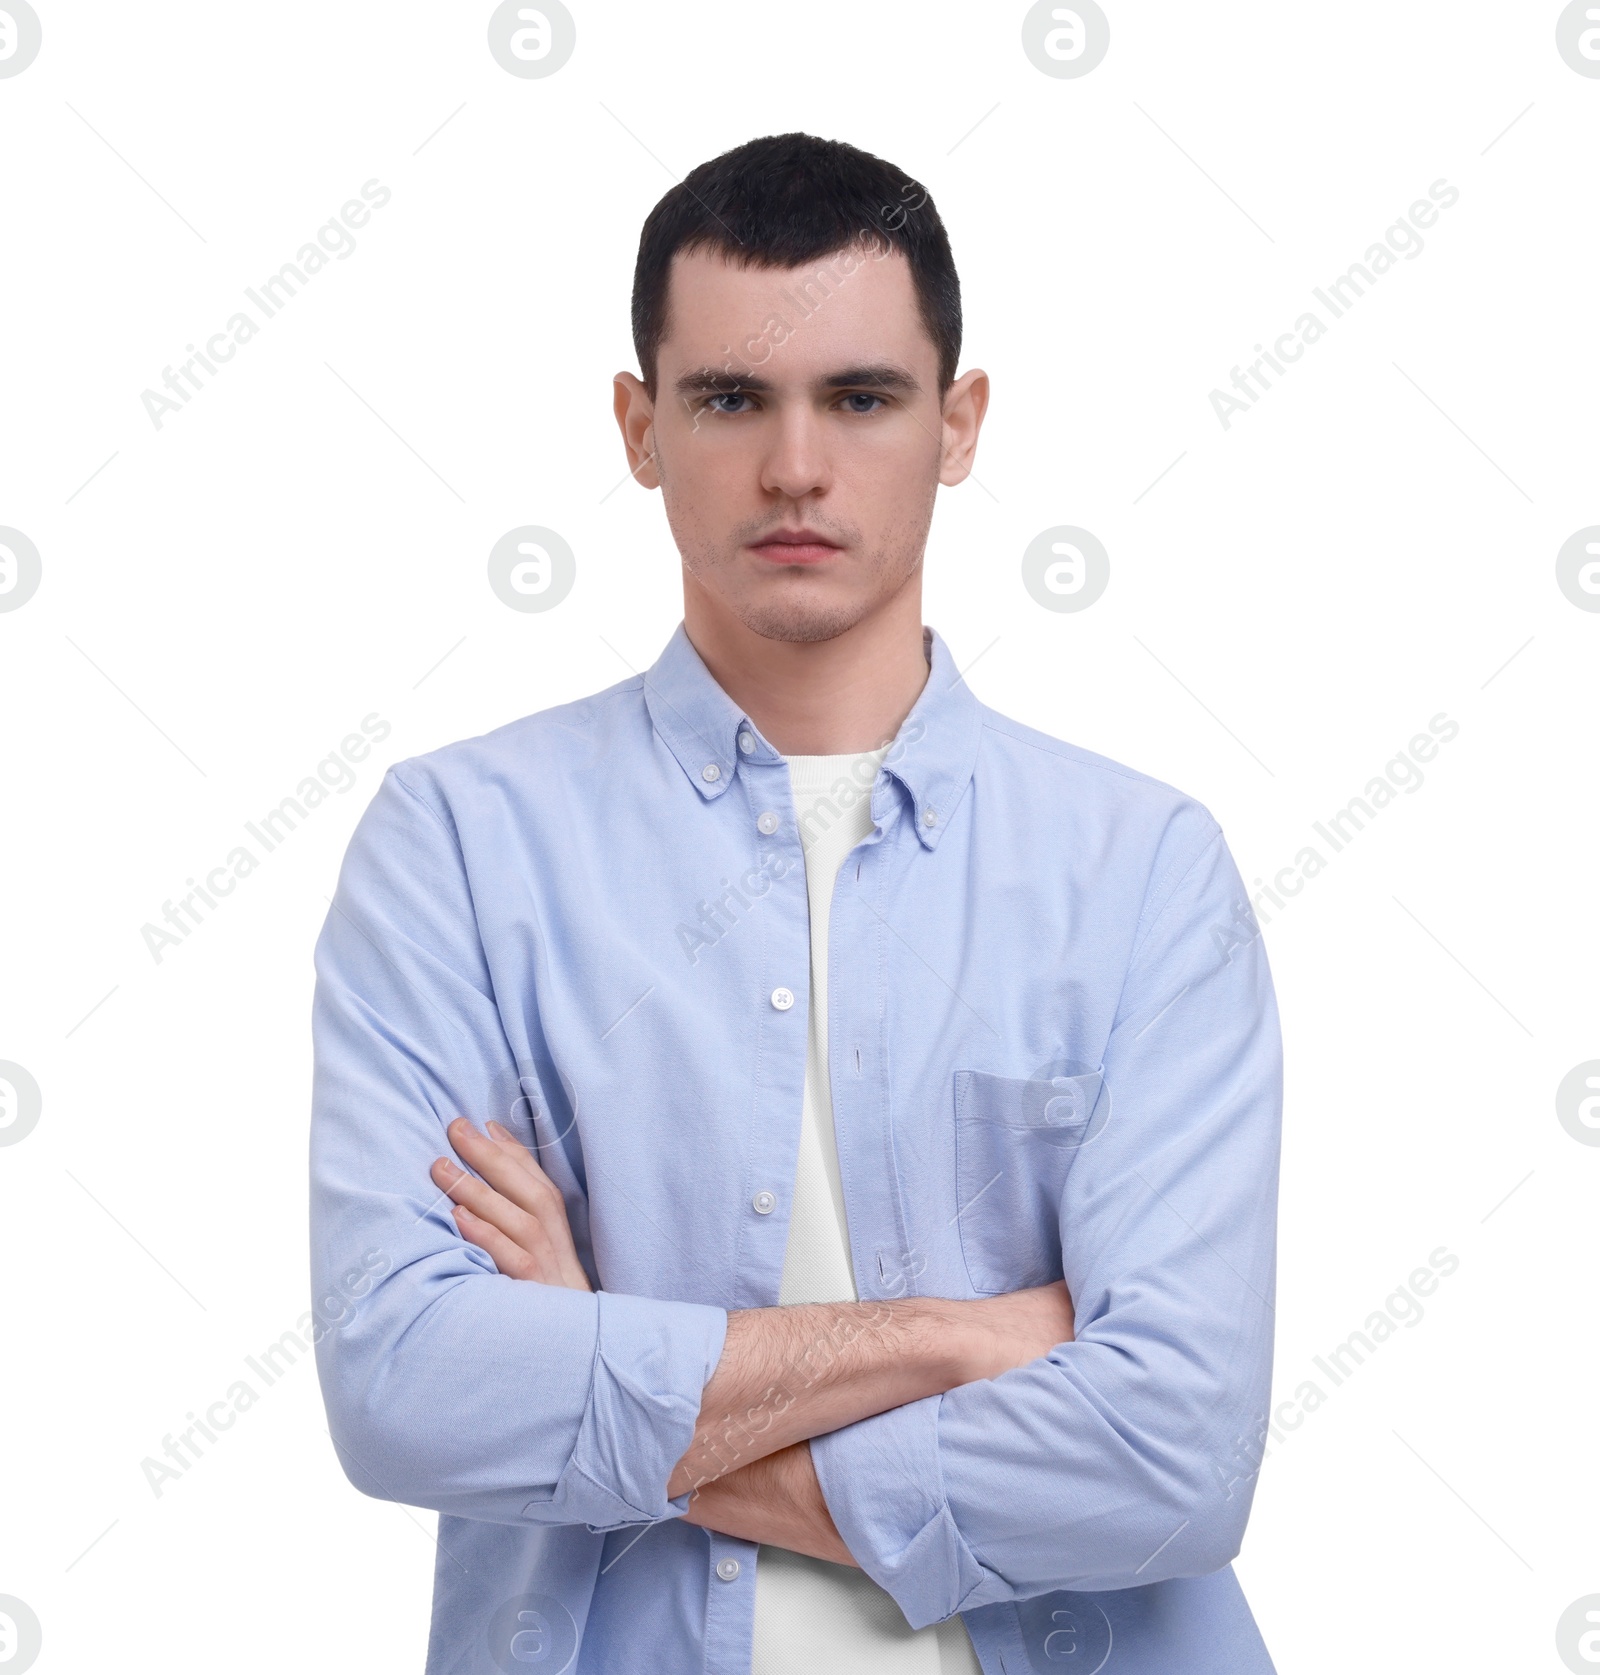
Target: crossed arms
[749,1468]
[966,1452]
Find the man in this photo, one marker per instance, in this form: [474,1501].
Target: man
[866,1259]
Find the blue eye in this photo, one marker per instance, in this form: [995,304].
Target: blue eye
[728,395]
[863,395]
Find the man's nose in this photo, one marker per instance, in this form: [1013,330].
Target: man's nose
[796,462]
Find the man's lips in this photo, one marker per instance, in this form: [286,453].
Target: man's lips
[801,546]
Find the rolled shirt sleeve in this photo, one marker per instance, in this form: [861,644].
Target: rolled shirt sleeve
[448,1385]
[1123,1457]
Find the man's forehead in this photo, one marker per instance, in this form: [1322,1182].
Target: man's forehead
[856,301]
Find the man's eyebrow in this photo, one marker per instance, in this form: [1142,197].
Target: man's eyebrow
[708,381]
[878,375]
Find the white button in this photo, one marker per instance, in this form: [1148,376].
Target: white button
[711,771]
[783,999]
[728,1569]
[929,818]
[763,1203]
[747,742]
[767,822]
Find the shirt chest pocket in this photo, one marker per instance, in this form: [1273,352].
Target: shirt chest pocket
[1016,1139]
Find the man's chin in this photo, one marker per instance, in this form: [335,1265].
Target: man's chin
[798,622]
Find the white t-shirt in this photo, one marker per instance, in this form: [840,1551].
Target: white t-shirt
[811,1615]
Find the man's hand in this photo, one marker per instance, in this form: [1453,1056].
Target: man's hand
[515,1212]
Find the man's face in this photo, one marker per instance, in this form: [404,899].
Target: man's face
[797,435]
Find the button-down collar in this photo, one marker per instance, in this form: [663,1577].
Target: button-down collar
[696,720]
[931,756]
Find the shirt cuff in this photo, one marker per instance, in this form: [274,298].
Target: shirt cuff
[883,1484]
[653,1359]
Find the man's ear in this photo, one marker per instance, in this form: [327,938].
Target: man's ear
[636,412]
[965,403]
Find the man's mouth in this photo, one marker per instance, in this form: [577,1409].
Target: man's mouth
[795,546]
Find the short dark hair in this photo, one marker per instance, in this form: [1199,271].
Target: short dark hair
[785,200]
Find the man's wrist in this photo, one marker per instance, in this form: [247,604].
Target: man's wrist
[803,1492]
[775,1500]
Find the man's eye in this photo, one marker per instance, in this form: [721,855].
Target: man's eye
[853,401]
[731,396]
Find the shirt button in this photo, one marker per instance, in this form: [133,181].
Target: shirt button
[763,1203]
[767,823]
[929,818]
[728,1569]
[710,772]
[747,742]
[783,999]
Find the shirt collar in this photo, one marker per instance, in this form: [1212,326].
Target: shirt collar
[932,755]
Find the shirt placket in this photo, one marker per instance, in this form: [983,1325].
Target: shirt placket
[774,1027]
[860,958]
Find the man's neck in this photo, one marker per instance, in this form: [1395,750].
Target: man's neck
[818,697]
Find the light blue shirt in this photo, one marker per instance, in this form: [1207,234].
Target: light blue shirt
[1054,1052]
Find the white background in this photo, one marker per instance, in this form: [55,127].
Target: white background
[224,598]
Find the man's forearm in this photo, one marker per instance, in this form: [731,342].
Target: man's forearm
[776,1499]
[791,1373]
[785,1374]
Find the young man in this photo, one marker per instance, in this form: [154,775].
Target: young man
[866,1262]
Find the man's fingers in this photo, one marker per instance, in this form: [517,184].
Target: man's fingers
[553,1259]
[519,1177]
[511,1169]
[509,1257]
[518,1225]
[517,1153]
